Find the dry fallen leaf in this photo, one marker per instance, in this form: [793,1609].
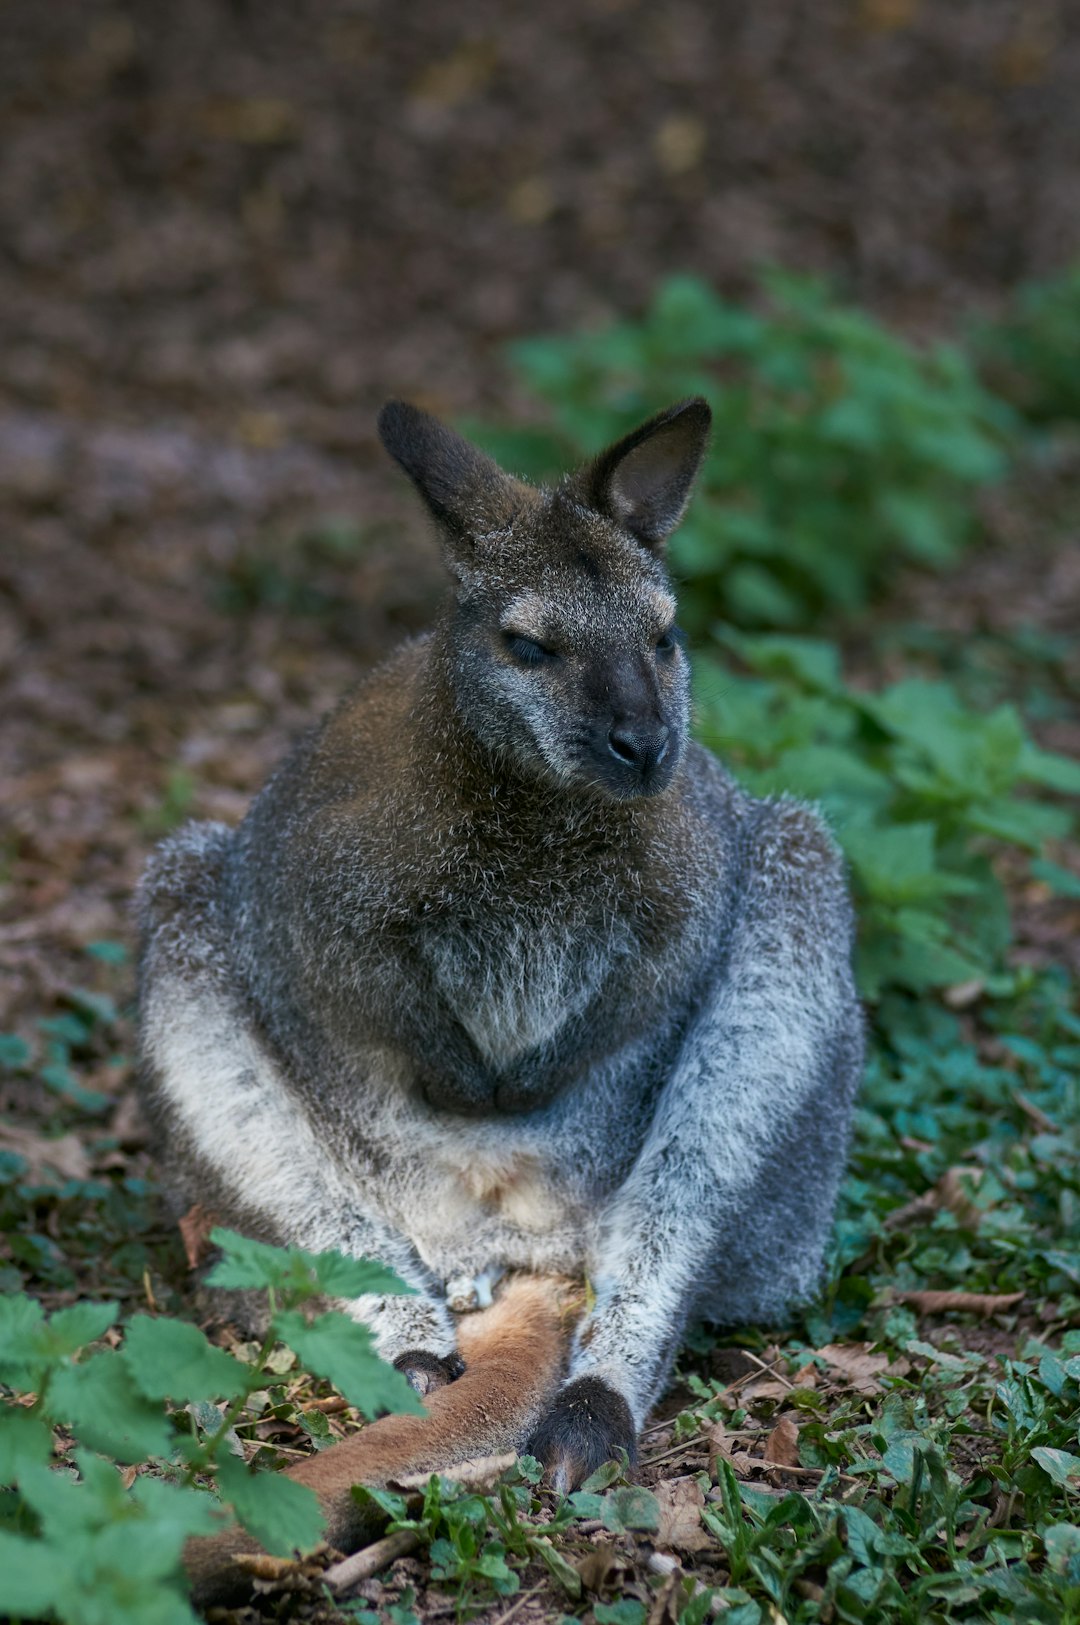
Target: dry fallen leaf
[600,1569]
[974,1303]
[65,1155]
[782,1445]
[765,1387]
[195,1228]
[680,1501]
[856,1365]
[952,1191]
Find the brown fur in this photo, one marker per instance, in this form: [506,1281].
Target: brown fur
[515,1355]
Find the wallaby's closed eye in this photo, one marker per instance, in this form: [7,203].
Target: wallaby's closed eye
[503,974]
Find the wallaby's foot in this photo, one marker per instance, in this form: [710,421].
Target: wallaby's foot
[426,1372]
[587,1424]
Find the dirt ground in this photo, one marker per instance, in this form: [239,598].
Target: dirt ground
[229,230]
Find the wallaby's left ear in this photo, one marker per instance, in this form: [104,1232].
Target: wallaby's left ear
[643,481]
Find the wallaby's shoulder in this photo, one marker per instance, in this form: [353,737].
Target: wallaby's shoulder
[369,741]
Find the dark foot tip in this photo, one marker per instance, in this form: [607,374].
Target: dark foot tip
[587,1424]
[426,1372]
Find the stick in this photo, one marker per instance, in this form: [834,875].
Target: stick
[362,1565]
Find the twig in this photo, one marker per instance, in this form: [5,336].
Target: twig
[779,1375]
[676,1450]
[519,1602]
[362,1565]
[329,1407]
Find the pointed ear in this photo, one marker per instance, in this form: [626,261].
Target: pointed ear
[643,481]
[466,492]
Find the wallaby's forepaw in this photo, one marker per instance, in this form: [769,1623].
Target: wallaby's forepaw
[426,1372]
[587,1424]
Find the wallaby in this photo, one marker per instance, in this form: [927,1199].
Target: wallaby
[502,973]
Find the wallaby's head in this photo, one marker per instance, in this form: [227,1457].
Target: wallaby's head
[561,631]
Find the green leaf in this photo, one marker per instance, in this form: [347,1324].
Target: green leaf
[1062,1466]
[171,1359]
[1050,769]
[105,1411]
[14,1052]
[21,1321]
[341,1277]
[32,1577]
[627,1611]
[1061,881]
[69,1330]
[294,1274]
[631,1508]
[1062,1543]
[109,953]
[246,1264]
[814,663]
[25,1440]
[340,1349]
[897,865]
[282,1515]
[562,1572]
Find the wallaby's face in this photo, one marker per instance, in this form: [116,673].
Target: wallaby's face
[565,653]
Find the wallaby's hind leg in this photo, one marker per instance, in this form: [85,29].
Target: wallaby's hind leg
[515,1354]
[236,1137]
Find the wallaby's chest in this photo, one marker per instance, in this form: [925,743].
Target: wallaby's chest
[513,982]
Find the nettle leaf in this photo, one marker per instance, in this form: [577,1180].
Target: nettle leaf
[21,1321]
[246,1264]
[342,1350]
[898,864]
[341,1277]
[25,1441]
[171,1359]
[1048,768]
[32,1577]
[71,1329]
[104,1410]
[294,1274]
[283,1515]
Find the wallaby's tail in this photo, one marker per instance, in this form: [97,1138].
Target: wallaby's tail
[514,1353]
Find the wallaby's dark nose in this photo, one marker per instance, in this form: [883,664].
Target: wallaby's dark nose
[639,748]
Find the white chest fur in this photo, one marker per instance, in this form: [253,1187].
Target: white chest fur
[512,986]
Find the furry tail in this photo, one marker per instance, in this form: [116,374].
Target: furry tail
[515,1354]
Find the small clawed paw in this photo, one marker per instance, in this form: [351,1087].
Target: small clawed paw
[426,1372]
[587,1424]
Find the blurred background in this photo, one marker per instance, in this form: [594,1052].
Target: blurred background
[230,230]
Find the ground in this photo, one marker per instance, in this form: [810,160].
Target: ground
[231,230]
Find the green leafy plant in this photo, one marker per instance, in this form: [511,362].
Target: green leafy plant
[918,789]
[77,1546]
[837,446]
[1032,354]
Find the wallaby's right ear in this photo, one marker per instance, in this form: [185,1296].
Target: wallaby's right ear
[643,481]
[467,493]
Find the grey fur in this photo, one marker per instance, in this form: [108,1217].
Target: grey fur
[501,970]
